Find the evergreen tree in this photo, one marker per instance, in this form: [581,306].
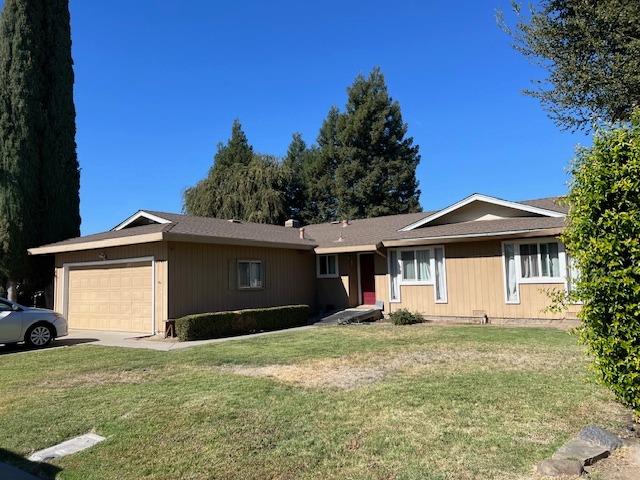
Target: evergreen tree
[366,147]
[39,176]
[293,171]
[591,50]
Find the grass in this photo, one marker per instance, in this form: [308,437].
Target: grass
[358,402]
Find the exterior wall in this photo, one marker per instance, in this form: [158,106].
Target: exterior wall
[157,250]
[203,278]
[475,287]
[340,292]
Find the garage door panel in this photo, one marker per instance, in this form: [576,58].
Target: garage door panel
[115,297]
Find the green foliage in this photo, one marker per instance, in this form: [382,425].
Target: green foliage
[240,185]
[293,172]
[39,174]
[223,324]
[591,50]
[603,237]
[365,165]
[405,317]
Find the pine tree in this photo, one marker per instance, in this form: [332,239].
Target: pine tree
[293,171]
[39,177]
[367,155]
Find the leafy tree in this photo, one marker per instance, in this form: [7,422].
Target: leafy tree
[603,239]
[39,175]
[591,51]
[240,185]
[376,169]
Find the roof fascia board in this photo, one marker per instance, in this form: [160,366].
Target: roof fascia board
[94,244]
[474,236]
[347,249]
[487,199]
[137,215]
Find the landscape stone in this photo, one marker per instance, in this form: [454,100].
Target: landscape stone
[585,452]
[559,467]
[600,436]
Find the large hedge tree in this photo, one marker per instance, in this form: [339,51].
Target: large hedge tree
[39,173]
[603,238]
[591,51]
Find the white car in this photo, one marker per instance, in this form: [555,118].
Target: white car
[37,327]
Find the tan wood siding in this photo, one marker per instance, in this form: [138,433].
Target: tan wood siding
[158,250]
[341,292]
[475,287]
[203,278]
[115,297]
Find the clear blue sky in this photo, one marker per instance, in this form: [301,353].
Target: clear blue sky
[158,83]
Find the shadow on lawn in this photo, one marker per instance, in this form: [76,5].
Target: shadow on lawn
[15,467]
[62,342]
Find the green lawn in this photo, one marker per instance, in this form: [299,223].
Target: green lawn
[387,402]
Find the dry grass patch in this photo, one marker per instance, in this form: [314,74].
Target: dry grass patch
[101,378]
[354,371]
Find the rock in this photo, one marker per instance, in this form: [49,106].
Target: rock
[600,436]
[585,452]
[559,467]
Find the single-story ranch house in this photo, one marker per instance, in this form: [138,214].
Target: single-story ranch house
[480,259]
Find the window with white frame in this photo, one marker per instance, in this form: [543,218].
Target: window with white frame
[532,261]
[250,274]
[327,266]
[417,266]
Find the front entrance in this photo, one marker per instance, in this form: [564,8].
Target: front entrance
[367,279]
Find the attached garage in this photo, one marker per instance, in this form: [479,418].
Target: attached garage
[116,295]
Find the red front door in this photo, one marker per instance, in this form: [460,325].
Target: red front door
[367,279]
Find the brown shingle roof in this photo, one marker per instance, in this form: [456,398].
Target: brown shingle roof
[482,227]
[369,231]
[550,203]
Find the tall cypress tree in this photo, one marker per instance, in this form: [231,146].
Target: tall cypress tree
[376,171]
[293,171]
[39,176]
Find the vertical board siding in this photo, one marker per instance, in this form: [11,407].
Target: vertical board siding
[203,278]
[475,287]
[156,249]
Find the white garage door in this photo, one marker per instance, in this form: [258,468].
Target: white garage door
[112,297]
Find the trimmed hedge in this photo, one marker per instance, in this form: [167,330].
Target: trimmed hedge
[203,326]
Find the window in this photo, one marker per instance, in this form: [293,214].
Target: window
[5,307]
[441,287]
[394,274]
[540,261]
[327,266]
[529,260]
[420,266]
[416,265]
[249,274]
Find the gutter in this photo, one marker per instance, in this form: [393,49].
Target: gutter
[538,232]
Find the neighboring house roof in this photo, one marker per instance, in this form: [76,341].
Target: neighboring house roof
[544,216]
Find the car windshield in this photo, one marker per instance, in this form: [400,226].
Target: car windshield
[4,301]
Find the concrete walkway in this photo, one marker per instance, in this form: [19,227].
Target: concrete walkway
[128,340]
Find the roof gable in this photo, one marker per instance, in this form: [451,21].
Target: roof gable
[139,219]
[478,207]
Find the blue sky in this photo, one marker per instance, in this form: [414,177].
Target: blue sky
[158,83]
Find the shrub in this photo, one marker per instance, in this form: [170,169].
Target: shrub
[405,317]
[224,324]
[603,238]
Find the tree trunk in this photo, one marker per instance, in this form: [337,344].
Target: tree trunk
[12,292]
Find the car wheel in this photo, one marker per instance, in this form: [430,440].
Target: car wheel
[39,335]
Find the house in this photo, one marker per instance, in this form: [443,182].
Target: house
[481,258]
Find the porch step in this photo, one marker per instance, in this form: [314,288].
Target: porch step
[352,315]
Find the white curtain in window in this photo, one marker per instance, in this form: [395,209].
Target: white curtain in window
[550,260]
[529,260]
[394,274]
[256,274]
[408,265]
[424,267]
[510,272]
[572,273]
[440,274]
